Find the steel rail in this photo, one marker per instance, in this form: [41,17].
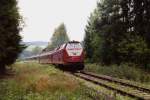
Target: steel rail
[121,81]
[136,92]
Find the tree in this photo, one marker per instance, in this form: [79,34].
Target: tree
[36,50]
[120,32]
[92,39]
[59,37]
[10,46]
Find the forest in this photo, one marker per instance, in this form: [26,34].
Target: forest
[118,31]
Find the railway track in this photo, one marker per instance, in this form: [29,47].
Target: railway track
[118,85]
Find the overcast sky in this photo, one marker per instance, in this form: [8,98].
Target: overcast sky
[43,16]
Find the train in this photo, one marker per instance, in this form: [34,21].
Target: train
[68,56]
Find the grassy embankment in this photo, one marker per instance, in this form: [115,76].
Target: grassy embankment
[122,71]
[32,81]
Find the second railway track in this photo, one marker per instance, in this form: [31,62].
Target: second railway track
[124,88]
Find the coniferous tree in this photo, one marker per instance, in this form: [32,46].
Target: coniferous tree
[9,33]
[123,28]
[89,37]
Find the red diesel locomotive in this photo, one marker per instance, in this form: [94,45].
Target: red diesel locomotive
[69,56]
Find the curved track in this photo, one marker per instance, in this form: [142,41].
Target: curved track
[118,85]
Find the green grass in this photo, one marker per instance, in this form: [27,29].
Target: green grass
[122,71]
[33,81]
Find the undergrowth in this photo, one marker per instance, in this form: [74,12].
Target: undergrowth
[123,71]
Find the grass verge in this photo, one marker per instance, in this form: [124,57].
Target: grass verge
[32,81]
[122,71]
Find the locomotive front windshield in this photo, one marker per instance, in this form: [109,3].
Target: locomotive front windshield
[74,49]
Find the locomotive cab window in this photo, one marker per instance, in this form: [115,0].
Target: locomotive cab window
[74,49]
[74,46]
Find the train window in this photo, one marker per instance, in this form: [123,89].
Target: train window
[74,49]
[74,46]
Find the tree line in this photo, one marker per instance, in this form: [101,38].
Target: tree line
[118,31]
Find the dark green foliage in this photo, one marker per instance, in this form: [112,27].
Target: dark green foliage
[118,32]
[9,33]
[59,37]
[92,39]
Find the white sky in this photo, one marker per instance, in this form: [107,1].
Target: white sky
[43,16]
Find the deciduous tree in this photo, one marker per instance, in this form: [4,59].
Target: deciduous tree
[59,37]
